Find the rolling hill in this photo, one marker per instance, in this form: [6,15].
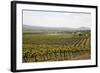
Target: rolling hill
[28,28]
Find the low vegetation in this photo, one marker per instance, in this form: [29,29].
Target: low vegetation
[59,46]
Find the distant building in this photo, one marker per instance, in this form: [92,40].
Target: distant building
[77,33]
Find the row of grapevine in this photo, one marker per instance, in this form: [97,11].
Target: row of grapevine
[56,49]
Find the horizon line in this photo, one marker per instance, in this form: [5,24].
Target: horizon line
[57,26]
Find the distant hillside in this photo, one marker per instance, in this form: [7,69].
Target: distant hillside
[27,28]
[83,28]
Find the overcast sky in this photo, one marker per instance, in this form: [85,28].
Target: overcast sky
[56,19]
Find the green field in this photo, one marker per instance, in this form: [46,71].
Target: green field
[51,46]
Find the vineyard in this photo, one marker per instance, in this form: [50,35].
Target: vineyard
[43,47]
